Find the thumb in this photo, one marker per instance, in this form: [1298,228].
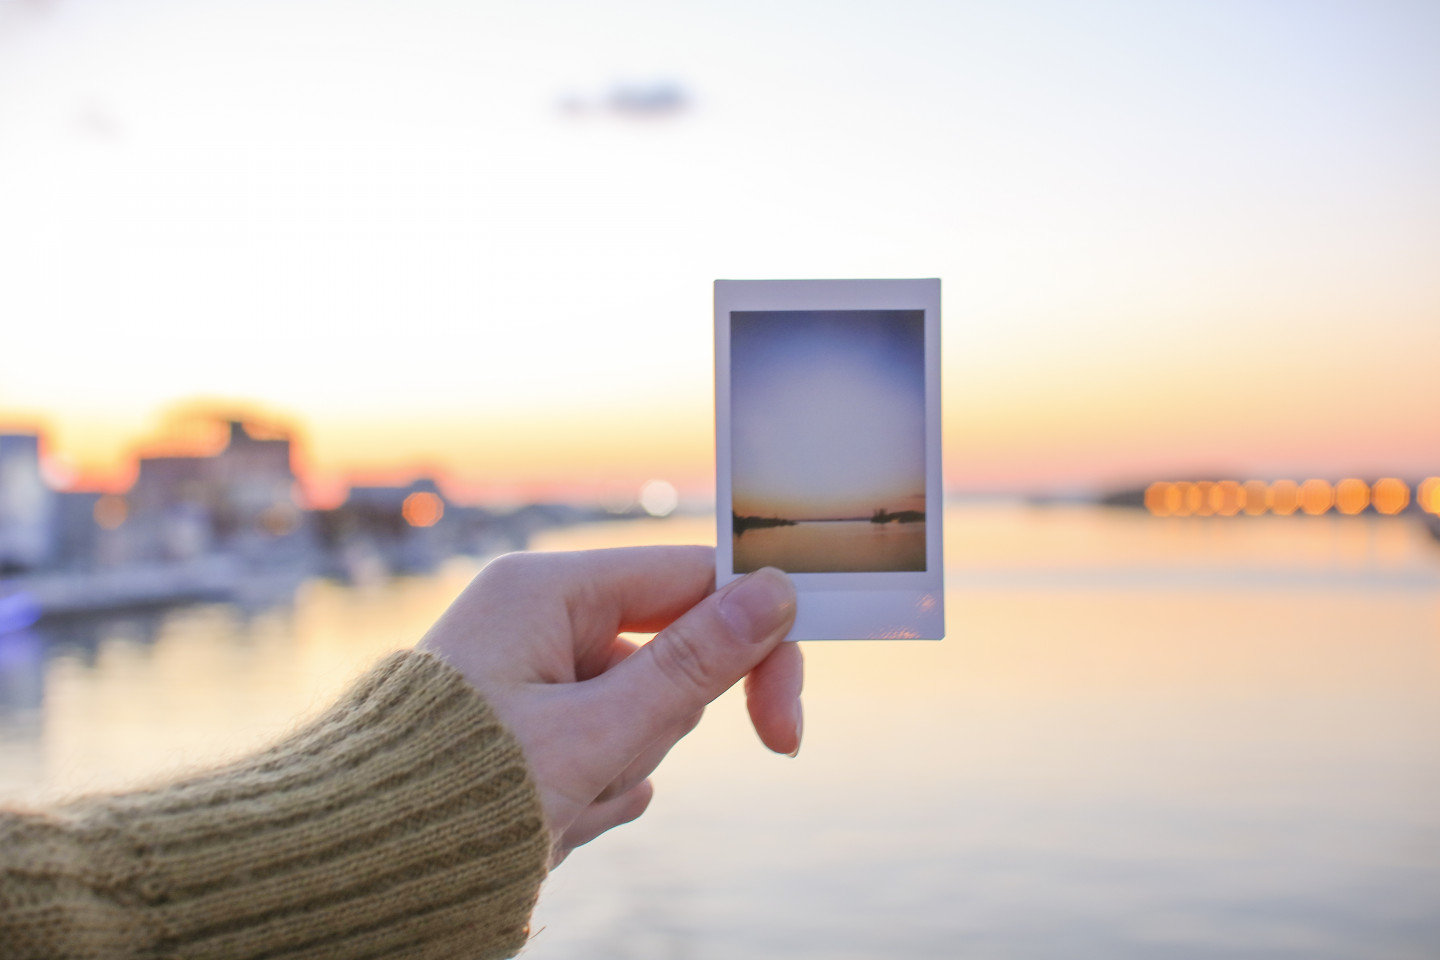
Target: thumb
[701,655]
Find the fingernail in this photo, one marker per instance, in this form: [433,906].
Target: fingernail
[759,604]
[799,730]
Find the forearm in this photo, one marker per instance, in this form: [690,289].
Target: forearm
[400,823]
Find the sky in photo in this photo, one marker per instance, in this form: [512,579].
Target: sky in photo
[827,413]
[479,239]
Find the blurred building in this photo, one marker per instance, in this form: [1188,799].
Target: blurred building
[183,506]
[213,513]
[77,533]
[27,505]
[409,527]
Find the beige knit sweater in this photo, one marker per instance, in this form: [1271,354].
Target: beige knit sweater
[401,823]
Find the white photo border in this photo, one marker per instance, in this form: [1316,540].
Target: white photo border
[891,605]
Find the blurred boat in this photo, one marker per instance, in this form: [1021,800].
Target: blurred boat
[138,585]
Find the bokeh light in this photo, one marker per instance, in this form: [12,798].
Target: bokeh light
[1157,499]
[1179,498]
[1227,498]
[1427,495]
[422,509]
[1174,498]
[111,511]
[1283,497]
[1390,496]
[1352,496]
[659,498]
[1316,496]
[1200,504]
[1257,497]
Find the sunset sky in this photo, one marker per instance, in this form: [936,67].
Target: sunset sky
[479,238]
[827,412]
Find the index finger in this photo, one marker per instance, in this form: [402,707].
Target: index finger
[643,589]
[553,617]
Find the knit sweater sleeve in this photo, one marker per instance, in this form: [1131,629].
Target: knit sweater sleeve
[401,823]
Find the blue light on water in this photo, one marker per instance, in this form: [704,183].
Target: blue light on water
[18,611]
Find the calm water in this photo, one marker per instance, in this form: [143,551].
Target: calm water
[1143,738]
[833,546]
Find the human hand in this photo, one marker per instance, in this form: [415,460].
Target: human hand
[538,635]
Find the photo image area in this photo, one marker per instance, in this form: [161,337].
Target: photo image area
[827,444]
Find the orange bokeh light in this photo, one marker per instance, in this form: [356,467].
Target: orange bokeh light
[422,509]
[1199,498]
[1283,497]
[1179,498]
[1316,496]
[1256,497]
[1157,499]
[110,511]
[1352,496]
[1427,495]
[1227,498]
[1175,499]
[1390,496]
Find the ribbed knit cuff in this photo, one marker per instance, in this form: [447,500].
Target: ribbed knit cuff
[402,823]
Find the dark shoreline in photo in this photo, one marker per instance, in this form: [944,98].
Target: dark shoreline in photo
[740,524]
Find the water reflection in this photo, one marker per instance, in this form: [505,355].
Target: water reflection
[1142,738]
[109,701]
[832,546]
[22,672]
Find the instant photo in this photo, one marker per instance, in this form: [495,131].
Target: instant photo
[828,449]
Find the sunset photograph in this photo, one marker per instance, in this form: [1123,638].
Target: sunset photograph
[827,445]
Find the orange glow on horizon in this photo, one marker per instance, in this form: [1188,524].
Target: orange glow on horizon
[512,458]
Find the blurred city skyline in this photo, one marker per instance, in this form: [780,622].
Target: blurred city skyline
[477,241]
